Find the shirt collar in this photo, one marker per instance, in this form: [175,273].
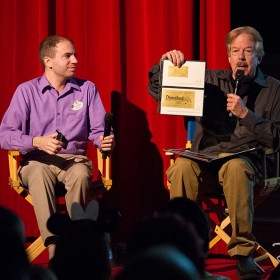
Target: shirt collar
[44,84]
[260,79]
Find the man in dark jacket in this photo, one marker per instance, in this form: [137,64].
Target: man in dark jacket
[231,123]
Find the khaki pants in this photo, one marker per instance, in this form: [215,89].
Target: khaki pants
[40,172]
[237,178]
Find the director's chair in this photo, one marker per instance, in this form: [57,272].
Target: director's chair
[102,183]
[212,202]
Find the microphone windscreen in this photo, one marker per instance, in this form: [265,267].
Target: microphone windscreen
[108,124]
[239,74]
[108,116]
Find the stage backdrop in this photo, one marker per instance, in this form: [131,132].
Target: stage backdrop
[117,42]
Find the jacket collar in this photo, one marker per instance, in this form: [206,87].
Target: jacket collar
[259,79]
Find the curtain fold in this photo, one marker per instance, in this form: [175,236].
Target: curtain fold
[215,24]
[117,42]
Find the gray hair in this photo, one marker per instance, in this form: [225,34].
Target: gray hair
[259,49]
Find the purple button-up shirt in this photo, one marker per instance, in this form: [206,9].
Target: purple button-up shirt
[37,109]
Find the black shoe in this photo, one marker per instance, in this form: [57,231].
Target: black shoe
[247,268]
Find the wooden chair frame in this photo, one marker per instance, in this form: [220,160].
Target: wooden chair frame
[37,247]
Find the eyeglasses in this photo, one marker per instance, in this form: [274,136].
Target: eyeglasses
[245,52]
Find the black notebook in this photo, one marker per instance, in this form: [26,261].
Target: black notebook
[204,157]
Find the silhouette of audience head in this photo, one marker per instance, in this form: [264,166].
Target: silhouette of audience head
[10,221]
[275,275]
[162,262]
[192,212]
[41,273]
[167,229]
[81,249]
[14,264]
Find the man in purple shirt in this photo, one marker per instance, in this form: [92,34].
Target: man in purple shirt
[39,108]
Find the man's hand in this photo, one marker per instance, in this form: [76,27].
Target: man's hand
[47,143]
[107,143]
[176,57]
[236,106]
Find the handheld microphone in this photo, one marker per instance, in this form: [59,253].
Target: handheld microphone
[238,77]
[60,137]
[107,129]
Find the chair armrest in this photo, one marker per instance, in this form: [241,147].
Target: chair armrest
[13,157]
[171,162]
[104,168]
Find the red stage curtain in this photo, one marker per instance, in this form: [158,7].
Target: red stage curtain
[117,41]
